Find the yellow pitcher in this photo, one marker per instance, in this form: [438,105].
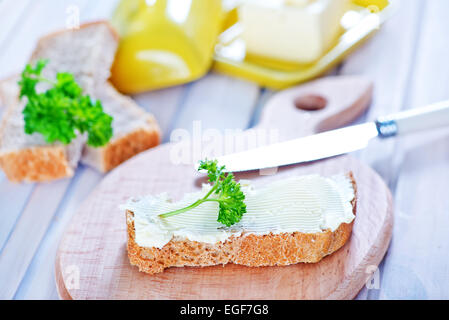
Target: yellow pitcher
[164,42]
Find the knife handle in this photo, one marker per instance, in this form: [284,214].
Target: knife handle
[415,120]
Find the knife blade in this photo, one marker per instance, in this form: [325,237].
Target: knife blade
[310,148]
[337,142]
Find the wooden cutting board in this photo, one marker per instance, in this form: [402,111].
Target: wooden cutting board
[92,260]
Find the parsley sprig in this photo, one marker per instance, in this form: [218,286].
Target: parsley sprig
[227,193]
[62,111]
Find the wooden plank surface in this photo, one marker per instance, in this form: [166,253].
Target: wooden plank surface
[407,62]
[390,70]
[418,253]
[39,281]
[215,100]
[30,206]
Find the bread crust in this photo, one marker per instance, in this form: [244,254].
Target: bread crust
[37,164]
[121,149]
[249,250]
[128,146]
[124,145]
[34,164]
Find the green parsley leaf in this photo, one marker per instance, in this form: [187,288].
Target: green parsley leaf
[62,111]
[227,193]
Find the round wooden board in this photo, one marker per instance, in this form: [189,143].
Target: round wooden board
[92,260]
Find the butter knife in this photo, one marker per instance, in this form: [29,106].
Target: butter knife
[340,141]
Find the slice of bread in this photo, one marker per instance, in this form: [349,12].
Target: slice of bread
[88,54]
[134,131]
[249,250]
[26,157]
[9,91]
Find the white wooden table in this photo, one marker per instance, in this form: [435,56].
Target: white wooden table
[408,62]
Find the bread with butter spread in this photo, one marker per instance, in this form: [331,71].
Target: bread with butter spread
[252,250]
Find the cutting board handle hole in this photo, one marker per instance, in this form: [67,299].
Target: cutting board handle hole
[310,102]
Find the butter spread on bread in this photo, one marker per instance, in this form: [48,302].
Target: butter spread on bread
[303,211]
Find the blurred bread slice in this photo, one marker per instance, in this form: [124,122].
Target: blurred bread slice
[26,157]
[9,91]
[134,131]
[87,53]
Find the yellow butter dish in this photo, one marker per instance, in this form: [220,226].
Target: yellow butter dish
[279,43]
